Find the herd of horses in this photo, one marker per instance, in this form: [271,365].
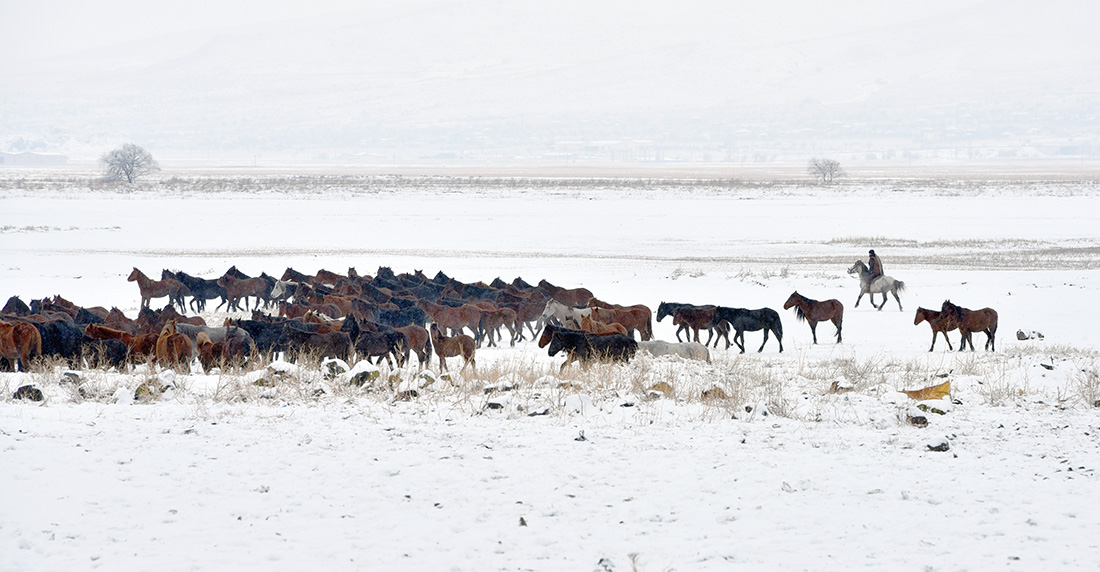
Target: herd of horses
[392,316]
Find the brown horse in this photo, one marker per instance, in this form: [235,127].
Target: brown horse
[939,322]
[969,321]
[631,317]
[140,347]
[602,328]
[644,316]
[813,312]
[174,349]
[233,352]
[149,288]
[454,318]
[700,318]
[492,319]
[445,347]
[418,340]
[238,288]
[19,342]
[567,296]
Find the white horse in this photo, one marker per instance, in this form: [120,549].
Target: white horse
[686,350]
[881,285]
[568,316]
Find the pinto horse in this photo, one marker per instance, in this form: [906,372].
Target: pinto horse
[969,321]
[174,349]
[241,288]
[445,347]
[813,311]
[149,288]
[939,321]
[19,342]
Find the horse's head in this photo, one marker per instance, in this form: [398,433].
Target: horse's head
[134,275]
[792,301]
[547,334]
[922,315]
[169,328]
[858,267]
[555,345]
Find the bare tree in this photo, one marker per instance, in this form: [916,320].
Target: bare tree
[825,169]
[128,162]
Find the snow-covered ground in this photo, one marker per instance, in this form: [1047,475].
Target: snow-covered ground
[783,473]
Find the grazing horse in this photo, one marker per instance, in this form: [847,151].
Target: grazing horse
[149,288]
[601,328]
[241,288]
[969,321]
[813,312]
[881,285]
[939,321]
[586,348]
[19,342]
[742,320]
[567,296]
[445,347]
[174,349]
[700,318]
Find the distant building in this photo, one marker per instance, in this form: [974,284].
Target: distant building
[31,159]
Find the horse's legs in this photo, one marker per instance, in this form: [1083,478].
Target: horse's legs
[813,328]
[860,297]
[779,338]
[837,323]
[895,293]
[763,344]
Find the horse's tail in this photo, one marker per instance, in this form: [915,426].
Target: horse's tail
[899,286]
[649,326]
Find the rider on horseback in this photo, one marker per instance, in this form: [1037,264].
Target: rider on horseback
[874,265]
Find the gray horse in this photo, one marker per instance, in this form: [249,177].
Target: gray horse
[881,285]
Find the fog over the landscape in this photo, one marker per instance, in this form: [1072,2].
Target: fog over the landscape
[463,81]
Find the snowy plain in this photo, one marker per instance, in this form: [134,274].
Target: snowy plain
[782,474]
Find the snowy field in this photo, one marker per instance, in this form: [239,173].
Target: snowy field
[520,467]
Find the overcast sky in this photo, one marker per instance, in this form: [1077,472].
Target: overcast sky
[251,74]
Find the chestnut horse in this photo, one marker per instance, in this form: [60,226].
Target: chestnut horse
[813,312]
[601,328]
[445,347]
[19,342]
[631,317]
[492,319]
[139,346]
[969,321]
[454,318]
[174,349]
[149,288]
[939,322]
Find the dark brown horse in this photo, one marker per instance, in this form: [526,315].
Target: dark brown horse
[492,319]
[445,347]
[940,323]
[418,340]
[567,296]
[969,321]
[149,288]
[813,312]
[700,318]
[241,288]
[19,342]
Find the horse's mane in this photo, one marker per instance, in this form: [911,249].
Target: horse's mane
[798,313]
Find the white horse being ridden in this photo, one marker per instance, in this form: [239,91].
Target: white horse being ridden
[881,285]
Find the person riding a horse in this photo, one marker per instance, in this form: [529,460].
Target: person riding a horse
[875,266]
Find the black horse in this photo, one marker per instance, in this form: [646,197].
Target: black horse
[742,320]
[587,348]
[201,289]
